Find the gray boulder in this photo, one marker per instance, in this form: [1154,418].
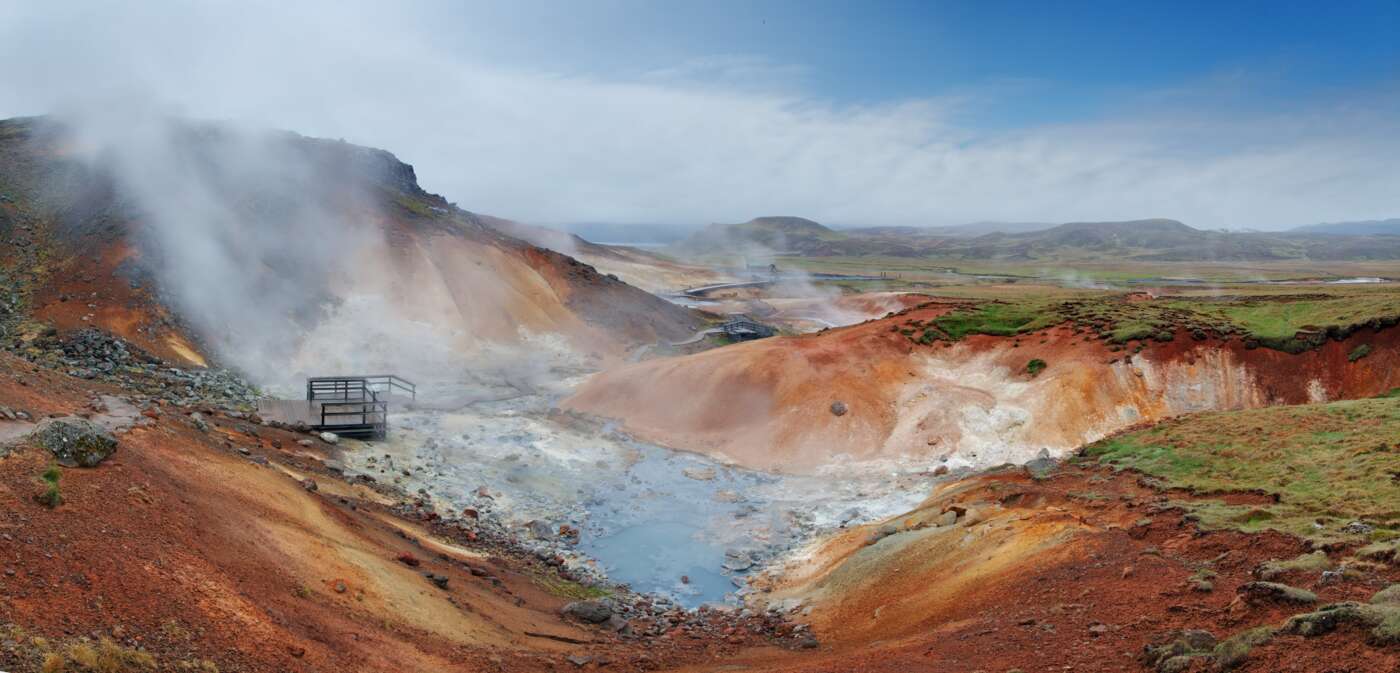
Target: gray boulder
[593,612]
[75,442]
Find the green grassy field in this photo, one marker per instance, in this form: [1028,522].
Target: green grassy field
[1290,318]
[1091,271]
[1328,465]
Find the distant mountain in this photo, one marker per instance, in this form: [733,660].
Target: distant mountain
[772,235]
[1157,239]
[1390,227]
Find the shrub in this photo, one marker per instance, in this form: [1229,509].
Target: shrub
[51,497]
[1035,367]
[1359,352]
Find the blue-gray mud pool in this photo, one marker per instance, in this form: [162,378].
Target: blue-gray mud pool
[660,521]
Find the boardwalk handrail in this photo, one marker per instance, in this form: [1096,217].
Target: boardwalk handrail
[357,387]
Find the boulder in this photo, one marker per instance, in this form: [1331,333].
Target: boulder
[592,611]
[1273,591]
[329,437]
[75,442]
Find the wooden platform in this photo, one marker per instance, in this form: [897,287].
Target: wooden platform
[293,412]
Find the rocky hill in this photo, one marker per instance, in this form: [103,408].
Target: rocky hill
[207,241]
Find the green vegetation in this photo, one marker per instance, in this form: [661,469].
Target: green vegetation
[1035,367]
[51,497]
[1288,322]
[570,589]
[104,655]
[1317,468]
[1359,352]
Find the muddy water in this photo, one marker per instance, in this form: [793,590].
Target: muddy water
[661,521]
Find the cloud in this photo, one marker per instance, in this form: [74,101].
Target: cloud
[716,138]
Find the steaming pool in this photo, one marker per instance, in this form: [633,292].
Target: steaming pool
[661,521]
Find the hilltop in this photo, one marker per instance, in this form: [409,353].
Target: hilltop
[1155,240]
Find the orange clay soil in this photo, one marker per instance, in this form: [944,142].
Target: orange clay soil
[767,404]
[1075,572]
[183,546]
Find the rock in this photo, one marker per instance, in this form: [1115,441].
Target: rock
[947,518]
[329,437]
[304,442]
[591,611]
[440,581]
[700,473]
[1273,591]
[808,643]
[199,423]
[838,408]
[340,587]
[1358,528]
[75,442]
[737,561]
[579,660]
[309,485]
[940,470]
[409,560]
[541,529]
[1042,466]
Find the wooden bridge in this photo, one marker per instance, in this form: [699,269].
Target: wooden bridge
[350,406]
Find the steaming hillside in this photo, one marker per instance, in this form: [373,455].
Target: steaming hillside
[1162,240]
[190,238]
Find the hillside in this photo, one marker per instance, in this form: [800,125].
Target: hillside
[1390,227]
[164,244]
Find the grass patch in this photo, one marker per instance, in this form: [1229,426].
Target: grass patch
[51,497]
[1359,352]
[1035,367]
[1326,465]
[570,589]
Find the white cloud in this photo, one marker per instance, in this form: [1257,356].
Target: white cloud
[720,138]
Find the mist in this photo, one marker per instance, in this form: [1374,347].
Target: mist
[686,143]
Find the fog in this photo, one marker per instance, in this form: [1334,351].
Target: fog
[446,87]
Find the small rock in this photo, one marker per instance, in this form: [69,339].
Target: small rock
[838,408]
[309,484]
[700,473]
[409,560]
[329,437]
[591,611]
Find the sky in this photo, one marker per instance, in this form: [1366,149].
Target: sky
[1241,114]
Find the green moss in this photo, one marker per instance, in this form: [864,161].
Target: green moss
[570,589]
[1359,352]
[1233,651]
[1325,464]
[1314,562]
[1035,367]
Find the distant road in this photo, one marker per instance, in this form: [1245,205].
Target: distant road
[706,289]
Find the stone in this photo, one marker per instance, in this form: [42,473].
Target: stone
[309,485]
[75,442]
[1273,591]
[838,408]
[591,611]
[700,473]
[329,437]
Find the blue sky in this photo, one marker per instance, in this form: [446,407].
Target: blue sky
[1221,114]
[1052,61]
